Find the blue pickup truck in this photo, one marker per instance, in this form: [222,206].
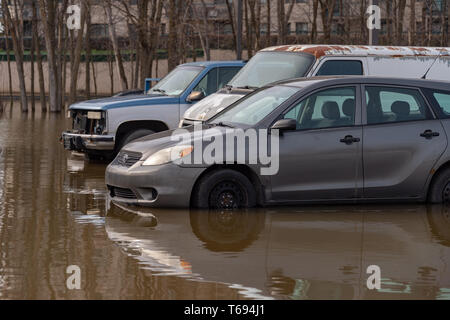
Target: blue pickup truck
[100,128]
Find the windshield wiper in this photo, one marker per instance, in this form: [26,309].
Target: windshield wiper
[221,124]
[248,88]
[160,90]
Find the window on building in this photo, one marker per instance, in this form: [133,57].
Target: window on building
[301,28]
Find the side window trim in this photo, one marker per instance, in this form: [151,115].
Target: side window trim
[364,104]
[358,106]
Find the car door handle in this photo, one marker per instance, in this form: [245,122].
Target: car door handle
[350,140]
[429,134]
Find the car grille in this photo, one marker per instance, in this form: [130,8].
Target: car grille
[127,159]
[122,193]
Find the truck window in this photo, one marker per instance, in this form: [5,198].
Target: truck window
[208,85]
[225,76]
[341,67]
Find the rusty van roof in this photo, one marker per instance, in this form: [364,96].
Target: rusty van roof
[360,50]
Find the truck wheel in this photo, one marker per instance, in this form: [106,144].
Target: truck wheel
[440,189]
[133,135]
[224,189]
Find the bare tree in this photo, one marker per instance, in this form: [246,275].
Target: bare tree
[76,56]
[48,11]
[172,41]
[283,18]
[400,16]
[115,45]
[326,12]
[412,22]
[15,25]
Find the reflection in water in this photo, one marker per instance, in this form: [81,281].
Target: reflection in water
[293,253]
[54,212]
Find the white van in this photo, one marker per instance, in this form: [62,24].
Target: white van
[294,61]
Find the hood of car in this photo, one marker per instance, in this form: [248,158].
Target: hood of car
[211,105]
[166,139]
[123,102]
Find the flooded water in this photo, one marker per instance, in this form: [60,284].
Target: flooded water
[54,212]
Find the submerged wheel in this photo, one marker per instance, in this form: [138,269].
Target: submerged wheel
[440,188]
[224,189]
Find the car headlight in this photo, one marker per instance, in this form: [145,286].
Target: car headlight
[168,155]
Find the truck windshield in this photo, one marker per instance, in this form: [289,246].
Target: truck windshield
[176,82]
[267,67]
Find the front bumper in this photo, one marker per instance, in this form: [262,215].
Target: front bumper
[165,186]
[86,142]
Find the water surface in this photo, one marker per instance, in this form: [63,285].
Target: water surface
[55,212]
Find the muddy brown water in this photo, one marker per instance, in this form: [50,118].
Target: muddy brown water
[55,212]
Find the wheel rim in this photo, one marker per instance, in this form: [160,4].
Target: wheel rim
[227,195]
[446,194]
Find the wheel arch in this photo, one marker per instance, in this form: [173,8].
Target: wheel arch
[128,126]
[444,166]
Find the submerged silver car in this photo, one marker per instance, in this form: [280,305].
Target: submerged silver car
[345,139]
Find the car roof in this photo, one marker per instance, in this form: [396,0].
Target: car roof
[360,50]
[206,64]
[337,80]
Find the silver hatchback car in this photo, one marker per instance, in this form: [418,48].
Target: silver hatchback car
[342,139]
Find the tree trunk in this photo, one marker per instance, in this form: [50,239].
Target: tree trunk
[232,23]
[76,57]
[37,46]
[269,22]
[115,45]
[172,41]
[88,51]
[313,37]
[13,27]
[400,18]
[8,58]
[412,22]
[48,16]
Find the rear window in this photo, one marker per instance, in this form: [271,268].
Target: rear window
[341,67]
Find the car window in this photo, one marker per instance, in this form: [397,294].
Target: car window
[341,67]
[443,99]
[386,104]
[254,108]
[208,85]
[326,109]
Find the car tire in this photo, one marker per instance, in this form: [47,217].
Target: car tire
[224,189]
[133,135]
[440,188]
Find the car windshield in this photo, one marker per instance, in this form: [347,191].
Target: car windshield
[256,107]
[176,82]
[268,67]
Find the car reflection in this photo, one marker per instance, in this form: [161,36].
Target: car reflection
[84,185]
[295,253]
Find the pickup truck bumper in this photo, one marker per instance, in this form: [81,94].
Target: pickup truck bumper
[86,142]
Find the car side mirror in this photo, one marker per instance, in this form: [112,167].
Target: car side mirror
[285,125]
[195,96]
